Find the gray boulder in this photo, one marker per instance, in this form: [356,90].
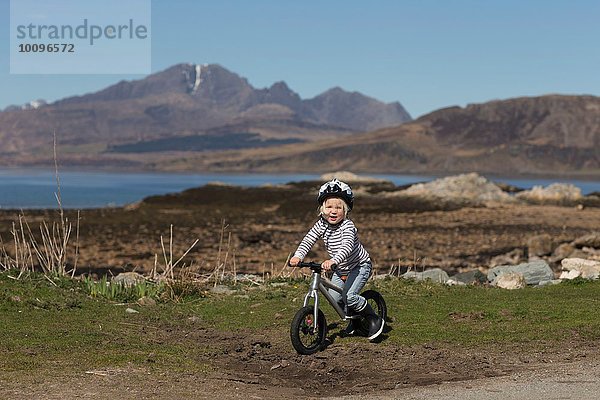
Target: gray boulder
[533,272]
[473,277]
[434,274]
[128,279]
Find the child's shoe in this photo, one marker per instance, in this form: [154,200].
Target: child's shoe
[375,322]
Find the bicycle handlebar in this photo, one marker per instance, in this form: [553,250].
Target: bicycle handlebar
[312,265]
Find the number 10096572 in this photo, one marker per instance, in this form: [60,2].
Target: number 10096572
[46,48]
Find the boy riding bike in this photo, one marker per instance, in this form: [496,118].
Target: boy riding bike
[351,261]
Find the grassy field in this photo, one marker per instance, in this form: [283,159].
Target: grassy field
[47,327]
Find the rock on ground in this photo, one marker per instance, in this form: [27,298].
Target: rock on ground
[533,272]
[434,274]
[556,192]
[579,267]
[346,176]
[510,280]
[539,245]
[468,187]
[129,278]
[591,240]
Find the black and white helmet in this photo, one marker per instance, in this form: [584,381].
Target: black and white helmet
[335,188]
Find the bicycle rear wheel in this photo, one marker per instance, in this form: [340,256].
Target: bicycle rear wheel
[306,333]
[375,299]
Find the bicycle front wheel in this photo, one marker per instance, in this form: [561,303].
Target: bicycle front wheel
[307,332]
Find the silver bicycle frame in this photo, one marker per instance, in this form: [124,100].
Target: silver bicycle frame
[321,284]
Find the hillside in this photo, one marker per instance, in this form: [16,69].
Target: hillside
[182,103]
[540,135]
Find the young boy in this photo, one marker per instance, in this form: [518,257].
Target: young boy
[351,260]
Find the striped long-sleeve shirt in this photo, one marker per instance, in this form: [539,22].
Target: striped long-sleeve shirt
[341,241]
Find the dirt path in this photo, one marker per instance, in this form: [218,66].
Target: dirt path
[250,367]
[578,380]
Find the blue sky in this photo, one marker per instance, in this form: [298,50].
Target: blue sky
[425,54]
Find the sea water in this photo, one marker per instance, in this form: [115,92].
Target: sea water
[38,188]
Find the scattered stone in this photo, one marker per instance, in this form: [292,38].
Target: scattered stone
[131,311]
[579,253]
[132,206]
[257,279]
[474,277]
[221,289]
[572,274]
[435,275]
[467,187]
[592,254]
[587,269]
[347,176]
[539,245]
[533,272]
[453,282]
[591,240]
[282,364]
[146,301]
[555,193]
[128,278]
[552,282]
[563,250]
[379,277]
[513,257]
[510,281]
[194,319]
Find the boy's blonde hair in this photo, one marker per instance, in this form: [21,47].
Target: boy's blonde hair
[344,206]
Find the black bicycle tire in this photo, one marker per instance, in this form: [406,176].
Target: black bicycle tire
[380,308]
[295,328]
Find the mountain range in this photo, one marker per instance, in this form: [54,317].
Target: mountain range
[204,117]
[546,135]
[188,104]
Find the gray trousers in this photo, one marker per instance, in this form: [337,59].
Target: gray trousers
[356,280]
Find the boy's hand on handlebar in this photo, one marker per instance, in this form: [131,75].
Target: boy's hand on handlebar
[294,261]
[327,265]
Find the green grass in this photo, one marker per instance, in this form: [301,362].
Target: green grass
[44,327]
[470,316]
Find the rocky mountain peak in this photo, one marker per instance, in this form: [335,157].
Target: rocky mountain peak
[353,109]
[219,85]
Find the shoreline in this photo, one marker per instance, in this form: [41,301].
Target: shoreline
[593,176]
[34,189]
